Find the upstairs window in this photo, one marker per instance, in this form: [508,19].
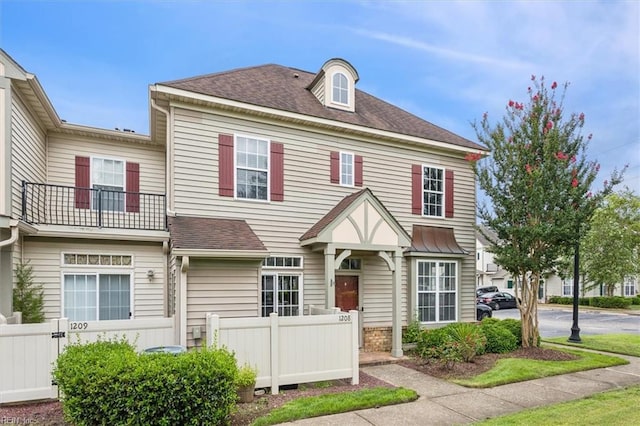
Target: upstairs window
[252,168]
[433,187]
[346,168]
[107,176]
[432,191]
[340,89]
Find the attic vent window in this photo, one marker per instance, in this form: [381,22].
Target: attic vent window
[340,89]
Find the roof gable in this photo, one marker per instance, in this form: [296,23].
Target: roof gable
[359,219]
[287,89]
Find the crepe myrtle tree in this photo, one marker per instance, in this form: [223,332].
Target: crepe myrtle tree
[539,182]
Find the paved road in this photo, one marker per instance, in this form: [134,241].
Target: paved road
[556,322]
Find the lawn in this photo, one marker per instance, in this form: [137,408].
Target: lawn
[512,370]
[612,408]
[625,344]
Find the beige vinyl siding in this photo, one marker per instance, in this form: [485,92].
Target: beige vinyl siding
[46,258]
[28,152]
[64,148]
[227,288]
[309,195]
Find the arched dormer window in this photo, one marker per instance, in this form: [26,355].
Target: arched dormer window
[340,89]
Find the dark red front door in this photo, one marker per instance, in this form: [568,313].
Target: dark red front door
[347,292]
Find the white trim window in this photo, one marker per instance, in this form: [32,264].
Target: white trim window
[252,168]
[567,287]
[432,191]
[346,168]
[340,89]
[437,288]
[630,289]
[96,296]
[281,289]
[108,175]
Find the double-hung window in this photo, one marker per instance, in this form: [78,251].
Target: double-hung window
[340,89]
[433,191]
[437,288]
[107,177]
[346,168]
[282,286]
[567,287]
[97,296]
[630,287]
[252,168]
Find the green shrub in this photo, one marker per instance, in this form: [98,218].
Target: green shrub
[429,342]
[469,339]
[28,297]
[246,376]
[107,382]
[412,333]
[635,300]
[515,327]
[499,339]
[612,302]
[560,300]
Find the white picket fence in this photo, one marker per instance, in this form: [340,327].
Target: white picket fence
[290,350]
[28,351]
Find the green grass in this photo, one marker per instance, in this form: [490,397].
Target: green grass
[626,344]
[313,406]
[612,408]
[511,370]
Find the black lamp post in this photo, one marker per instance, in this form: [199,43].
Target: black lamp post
[575,330]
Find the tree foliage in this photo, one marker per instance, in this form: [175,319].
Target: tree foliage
[539,182]
[611,247]
[27,296]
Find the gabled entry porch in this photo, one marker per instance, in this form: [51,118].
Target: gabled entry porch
[360,225]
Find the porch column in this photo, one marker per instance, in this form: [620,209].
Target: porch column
[396,298]
[329,276]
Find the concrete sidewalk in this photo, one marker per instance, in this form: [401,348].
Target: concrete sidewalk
[444,403]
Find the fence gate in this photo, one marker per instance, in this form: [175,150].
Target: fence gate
[27,354]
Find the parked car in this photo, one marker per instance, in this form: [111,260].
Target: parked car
[487,289]
[483,311]
[498,300]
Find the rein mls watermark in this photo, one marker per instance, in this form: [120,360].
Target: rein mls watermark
[17,421]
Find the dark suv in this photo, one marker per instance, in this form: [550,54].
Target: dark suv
[487,289]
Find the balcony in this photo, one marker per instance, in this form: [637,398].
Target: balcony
[45,204]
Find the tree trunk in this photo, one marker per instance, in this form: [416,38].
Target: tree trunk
[529,310]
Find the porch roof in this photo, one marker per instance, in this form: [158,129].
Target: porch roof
[433,239]
[213,234]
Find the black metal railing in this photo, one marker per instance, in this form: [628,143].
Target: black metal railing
[45,204]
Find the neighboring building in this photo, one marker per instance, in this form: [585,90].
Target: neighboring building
[489,273]
[284,189]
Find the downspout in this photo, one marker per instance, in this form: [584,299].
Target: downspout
[12,239]
[168,149]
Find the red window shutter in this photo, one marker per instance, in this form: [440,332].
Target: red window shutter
[335,167]
[133,187]
[358,170]
[417,199]
[277,171]
[83,180]
[225,165]
[448,193]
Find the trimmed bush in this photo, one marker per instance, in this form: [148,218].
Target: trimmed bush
[429,342]
[635,300]
[107,382]
[499,338]
[613,302]
[560,300]
[452,343]
[515,327]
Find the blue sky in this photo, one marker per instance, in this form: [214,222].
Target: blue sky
[447,62]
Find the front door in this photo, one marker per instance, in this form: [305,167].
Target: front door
[347,292]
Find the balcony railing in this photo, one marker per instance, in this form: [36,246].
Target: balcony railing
[45,204]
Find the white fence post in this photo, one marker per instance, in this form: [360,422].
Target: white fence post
[355,350]
[213,330]
[274,348]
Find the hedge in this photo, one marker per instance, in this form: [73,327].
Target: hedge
[618,302]
[107,382]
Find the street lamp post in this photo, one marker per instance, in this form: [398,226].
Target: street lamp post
[575,330]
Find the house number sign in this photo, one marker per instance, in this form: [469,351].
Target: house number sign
[344,318]
[78,325]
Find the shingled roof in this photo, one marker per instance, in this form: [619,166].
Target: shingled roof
[201,233]
[326,220]
[285,89]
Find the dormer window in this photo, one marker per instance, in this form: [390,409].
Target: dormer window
[340,89]
[334,85]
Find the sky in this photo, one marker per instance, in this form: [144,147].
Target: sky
[447,62]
